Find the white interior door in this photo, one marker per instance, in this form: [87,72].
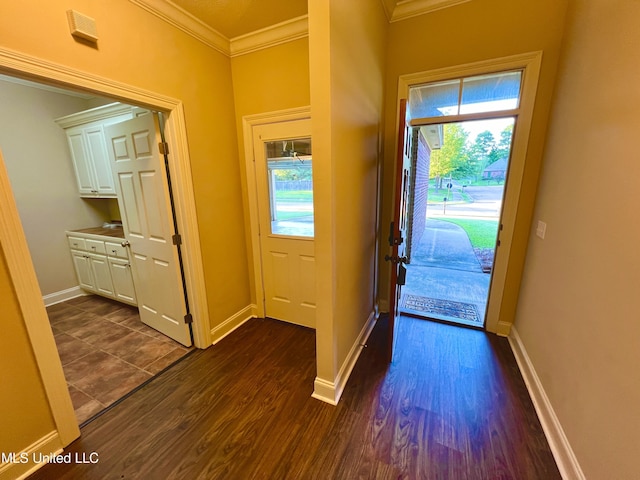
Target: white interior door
[284,169]
[143,198]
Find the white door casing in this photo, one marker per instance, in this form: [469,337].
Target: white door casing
[143,199]
[288,262]
[530,64]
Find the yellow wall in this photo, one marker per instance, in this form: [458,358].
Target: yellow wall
[141,50]
[577,315]
[24,409]
[43,181]
[471,32]
[267,80]
[347,51]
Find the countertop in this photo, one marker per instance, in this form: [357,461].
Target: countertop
[116,232]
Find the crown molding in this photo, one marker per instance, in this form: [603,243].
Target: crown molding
[268,37]
[287,31]
[412,8]
[387,13]
[183,20]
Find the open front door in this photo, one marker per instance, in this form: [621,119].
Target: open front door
[143,198]
[399,230]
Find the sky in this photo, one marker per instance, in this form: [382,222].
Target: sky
[495,126]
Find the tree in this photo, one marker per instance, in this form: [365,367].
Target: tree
[451,159]
[482,152]
[504,144]
[302,172]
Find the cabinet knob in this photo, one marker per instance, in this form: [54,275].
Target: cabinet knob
[125,243]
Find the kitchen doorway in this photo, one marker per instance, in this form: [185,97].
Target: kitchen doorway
[104,353]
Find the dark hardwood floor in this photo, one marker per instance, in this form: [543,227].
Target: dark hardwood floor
[452,406]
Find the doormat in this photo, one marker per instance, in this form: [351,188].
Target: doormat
[435,306]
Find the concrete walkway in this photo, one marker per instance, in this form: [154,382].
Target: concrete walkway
[444,267]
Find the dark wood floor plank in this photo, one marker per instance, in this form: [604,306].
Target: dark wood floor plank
[451,406]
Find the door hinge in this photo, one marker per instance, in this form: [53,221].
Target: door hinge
[177,239]
[164,148]
[188,319]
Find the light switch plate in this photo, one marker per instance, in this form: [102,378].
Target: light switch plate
[541,230]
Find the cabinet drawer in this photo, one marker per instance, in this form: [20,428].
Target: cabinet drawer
[95,246]
[77,243]
[116,250]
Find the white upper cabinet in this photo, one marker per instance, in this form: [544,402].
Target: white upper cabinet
[88,149]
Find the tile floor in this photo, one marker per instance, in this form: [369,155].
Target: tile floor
[106,351]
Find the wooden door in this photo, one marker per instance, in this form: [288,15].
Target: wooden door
[143,197]
[283,150]
[399,230]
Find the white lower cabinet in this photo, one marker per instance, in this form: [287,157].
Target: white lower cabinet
[123,289]
[83,270]
[102,266]
[101,274]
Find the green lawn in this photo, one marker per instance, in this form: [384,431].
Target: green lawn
[288,215]
[302,196]
[482,233]
[298,202]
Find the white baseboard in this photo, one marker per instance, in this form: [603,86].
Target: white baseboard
[558,442]
[16,470]
[325,391]
[383,306]
[330,392]
[504,329]
[62,295]
[232,323]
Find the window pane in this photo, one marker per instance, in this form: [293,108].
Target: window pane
[434,99]
[491,93]
[290,176]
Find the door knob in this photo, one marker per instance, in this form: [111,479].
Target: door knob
[395,259]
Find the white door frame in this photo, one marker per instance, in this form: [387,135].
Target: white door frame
[530,64]
[248,124]
[17,253]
